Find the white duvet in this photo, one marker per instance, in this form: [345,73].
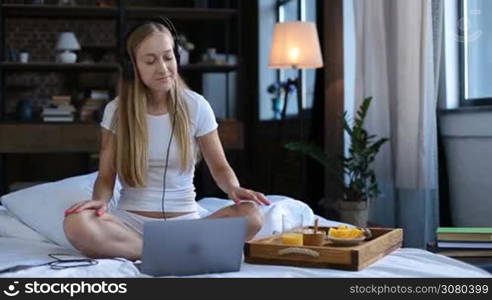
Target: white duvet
[28,257]
[401,263]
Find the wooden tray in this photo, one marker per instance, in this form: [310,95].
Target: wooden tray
[354,258]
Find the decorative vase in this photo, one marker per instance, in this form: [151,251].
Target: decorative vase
[67,57]
[276,108]
[354,212]
[24,110]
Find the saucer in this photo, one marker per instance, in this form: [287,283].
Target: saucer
[350,241]
[346,242]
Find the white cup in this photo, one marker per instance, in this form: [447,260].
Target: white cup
[24,57]
[292,225]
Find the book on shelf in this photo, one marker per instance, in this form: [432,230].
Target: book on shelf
[61,100]
[90,107]
[50,111]
[478,234]
[58,119]
[452,252]
[87,116]
[464,245]
[94,102]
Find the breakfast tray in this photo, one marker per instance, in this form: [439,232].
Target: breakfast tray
[271,250]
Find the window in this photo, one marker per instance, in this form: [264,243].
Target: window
[475,46]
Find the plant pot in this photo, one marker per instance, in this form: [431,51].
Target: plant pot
[354,212]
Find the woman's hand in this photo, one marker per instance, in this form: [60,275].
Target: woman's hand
[238,194]
[100,206]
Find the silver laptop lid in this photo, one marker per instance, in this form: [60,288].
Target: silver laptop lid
[188,247]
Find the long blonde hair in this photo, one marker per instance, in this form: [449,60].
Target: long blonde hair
[132,133]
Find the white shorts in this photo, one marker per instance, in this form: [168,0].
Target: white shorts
[136,222]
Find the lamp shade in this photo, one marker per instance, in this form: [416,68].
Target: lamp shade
[295,44]
[67,41]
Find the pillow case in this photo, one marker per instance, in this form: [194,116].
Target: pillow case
[42,207]
[10,226]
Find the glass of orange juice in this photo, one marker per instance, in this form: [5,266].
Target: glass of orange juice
[291,235]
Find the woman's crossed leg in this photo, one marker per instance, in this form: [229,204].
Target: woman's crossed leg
[107,236]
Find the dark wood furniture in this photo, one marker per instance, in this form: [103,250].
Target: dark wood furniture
[78,137]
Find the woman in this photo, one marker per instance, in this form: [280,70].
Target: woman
[155,121]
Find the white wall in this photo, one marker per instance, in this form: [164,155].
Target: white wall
[467,136]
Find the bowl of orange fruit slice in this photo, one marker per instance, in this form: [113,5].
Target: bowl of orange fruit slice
[344,235]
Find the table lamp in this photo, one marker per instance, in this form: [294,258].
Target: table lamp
[67,42]
[295,46]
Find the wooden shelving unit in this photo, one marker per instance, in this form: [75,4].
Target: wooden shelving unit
[78,137]
[58,67]
[102,67]
[55,11]
[182,13]
[88,12]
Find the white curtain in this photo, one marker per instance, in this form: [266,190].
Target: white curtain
[395,62]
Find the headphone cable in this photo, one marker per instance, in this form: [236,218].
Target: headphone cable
[167,155]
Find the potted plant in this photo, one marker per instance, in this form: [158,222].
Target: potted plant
[360,185]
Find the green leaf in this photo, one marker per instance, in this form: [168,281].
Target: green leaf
[346,124]
[309,149]
[358,164]
[334,166]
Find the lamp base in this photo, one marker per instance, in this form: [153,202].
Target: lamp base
[67,57]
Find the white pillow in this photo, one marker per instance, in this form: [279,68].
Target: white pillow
[42,207]
[11,227]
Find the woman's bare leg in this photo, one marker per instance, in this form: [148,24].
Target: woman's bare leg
[106,236]
[102,236]
[244,209]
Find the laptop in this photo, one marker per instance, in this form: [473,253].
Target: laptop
[190,247]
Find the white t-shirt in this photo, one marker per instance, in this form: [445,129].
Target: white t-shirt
[180,191]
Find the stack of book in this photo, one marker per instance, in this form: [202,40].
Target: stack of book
[58,109]
[89,109]
[99,94]
[464,241]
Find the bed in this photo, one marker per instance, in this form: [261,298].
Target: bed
[30,229]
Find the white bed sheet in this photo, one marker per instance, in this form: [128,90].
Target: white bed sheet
[408,262]
[19,255]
